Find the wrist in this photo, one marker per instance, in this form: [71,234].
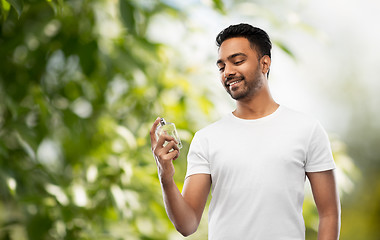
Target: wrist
[166,181]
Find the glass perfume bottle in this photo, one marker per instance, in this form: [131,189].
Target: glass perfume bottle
[169,129]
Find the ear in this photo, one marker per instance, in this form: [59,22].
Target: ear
[265,62]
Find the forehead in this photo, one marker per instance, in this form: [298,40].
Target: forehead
[235,45]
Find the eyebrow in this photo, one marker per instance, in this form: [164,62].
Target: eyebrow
[232,56]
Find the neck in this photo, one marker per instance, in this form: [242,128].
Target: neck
[258,106]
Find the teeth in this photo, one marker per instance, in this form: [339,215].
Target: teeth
[234,82]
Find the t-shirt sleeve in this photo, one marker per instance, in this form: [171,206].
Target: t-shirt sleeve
[197,159]
[319,156]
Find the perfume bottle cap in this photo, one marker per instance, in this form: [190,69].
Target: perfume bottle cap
[162,122]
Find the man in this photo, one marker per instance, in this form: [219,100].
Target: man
[255,160]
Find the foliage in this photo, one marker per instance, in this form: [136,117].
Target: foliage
[80,86]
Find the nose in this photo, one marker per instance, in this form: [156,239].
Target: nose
[229,71]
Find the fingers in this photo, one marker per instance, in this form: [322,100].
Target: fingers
[173,155]
[171,145]
[164,138]
[177,154]
[152,132]
[168,152]
[169,156]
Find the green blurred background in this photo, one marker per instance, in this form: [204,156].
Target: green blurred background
[81,83]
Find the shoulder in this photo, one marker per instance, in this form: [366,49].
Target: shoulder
[214,128]
[296,114]
[297,117]
[300,122]
[205,135]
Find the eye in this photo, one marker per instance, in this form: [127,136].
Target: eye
[239,62]
[221,67]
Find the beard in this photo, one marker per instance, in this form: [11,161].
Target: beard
[247,89]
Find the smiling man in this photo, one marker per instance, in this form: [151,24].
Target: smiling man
[255,160]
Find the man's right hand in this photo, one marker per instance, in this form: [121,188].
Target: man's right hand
[185,211]
[164,155]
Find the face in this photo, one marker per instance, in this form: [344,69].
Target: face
[242,73]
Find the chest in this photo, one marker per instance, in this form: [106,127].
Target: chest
[258,155]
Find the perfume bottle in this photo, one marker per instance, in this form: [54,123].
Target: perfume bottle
[169,129]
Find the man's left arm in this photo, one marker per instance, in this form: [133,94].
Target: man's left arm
[326,198]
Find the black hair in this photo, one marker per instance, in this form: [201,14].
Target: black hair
[257,37]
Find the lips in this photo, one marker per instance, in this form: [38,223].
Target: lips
[232,81]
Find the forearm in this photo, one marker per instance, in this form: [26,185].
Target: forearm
[179,211]
[329,227]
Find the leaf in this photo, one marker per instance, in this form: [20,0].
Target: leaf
[285,48]
[127,15]
[4,10]
[18,5]
[218,5]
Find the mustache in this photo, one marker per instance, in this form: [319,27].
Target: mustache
[232,79]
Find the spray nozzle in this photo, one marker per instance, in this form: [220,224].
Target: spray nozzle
[162,122]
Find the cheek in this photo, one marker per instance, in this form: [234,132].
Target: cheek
[250,71]
[222,78]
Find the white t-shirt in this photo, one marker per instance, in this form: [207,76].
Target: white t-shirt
[258,171]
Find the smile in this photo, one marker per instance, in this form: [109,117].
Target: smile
[233,83]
